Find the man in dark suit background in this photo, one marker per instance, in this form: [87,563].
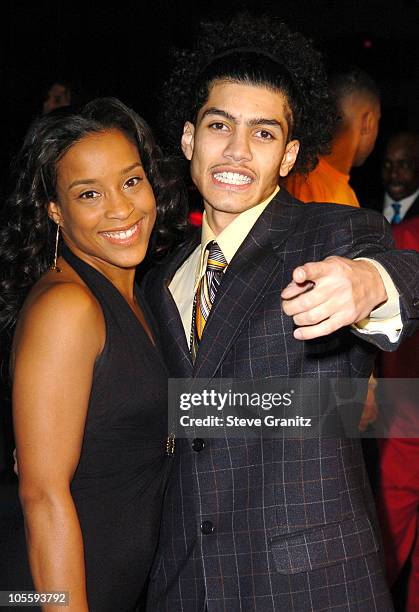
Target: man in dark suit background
[398,484]
[400,175]
[270,524]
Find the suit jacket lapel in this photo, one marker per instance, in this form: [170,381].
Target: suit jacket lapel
[245,282]
[413,210]
[175,347]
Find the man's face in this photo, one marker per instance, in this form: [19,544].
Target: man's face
[57,97]
[238,148]
[400,169]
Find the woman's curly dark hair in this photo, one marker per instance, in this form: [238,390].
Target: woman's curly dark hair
[27,233]
[267,53]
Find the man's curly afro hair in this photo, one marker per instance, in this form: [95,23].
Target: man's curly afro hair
[255,51]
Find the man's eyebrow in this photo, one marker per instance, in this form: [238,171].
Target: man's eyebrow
[220,113]
[93,181]
[251,122]
[263,121]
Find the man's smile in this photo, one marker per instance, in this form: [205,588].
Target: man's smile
[235,179]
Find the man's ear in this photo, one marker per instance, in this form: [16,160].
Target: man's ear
[367,123]
[289,157]
[187,141]
[54,213]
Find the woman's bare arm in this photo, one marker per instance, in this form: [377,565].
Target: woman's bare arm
[57,342]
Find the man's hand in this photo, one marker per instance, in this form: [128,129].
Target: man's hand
[327,295]
[370,412]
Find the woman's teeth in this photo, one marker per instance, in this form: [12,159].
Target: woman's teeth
[122,235]
[232,178]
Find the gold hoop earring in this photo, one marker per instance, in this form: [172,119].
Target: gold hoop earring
[57,239]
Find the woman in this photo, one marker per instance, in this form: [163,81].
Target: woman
[89,385]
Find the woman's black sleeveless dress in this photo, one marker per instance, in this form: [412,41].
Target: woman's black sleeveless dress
[120,480]
[119,483]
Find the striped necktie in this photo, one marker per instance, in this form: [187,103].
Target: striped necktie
[205,294]
[396,217]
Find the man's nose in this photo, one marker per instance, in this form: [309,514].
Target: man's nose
[395,171]
[238,147]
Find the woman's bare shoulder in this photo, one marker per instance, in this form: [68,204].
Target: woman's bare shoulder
[62,304]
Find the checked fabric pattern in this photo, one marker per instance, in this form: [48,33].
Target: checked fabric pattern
[294,527]
[205,294]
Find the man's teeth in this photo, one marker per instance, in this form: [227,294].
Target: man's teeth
[232,178]
[122,235]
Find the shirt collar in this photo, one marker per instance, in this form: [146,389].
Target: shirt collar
[405,202]
[230,239]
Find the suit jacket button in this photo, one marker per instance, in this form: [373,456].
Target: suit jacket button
[207,527]
[198,444]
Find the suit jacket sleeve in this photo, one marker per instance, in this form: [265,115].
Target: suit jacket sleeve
[368,234]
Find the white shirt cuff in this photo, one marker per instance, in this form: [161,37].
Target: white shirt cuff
[386,319]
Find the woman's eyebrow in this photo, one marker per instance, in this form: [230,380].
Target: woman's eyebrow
[92,181]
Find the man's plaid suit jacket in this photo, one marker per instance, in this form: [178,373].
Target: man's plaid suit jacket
[274,524]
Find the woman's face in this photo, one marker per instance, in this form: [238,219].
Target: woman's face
[105,204]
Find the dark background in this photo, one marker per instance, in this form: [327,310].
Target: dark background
[123,50]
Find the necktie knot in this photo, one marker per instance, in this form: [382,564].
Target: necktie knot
[216,260]
[396,217]
[205,294]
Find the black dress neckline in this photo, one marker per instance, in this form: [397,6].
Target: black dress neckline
[79,264]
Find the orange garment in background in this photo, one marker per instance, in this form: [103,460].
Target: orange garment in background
[323,184]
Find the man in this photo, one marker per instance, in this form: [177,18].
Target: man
[400,174]
[268,524]
[398,486]
[58,96]
[358,108]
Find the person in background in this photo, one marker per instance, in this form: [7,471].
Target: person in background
[89,382]
[400,176]
[398,483]
[58,95]
[357,101]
